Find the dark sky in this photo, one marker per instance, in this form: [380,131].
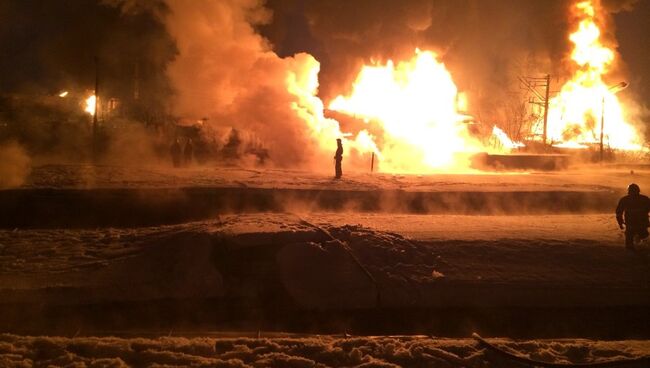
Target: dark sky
[48,46]
[633,34]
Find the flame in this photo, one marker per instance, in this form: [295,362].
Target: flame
[576,113]
[302,82]
[90,104]
[570,145]
[461,102]
[505,141]
[415,105]
[63,94]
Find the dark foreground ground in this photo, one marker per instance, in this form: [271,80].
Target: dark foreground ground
[281,350]
[527,276]
[105,251]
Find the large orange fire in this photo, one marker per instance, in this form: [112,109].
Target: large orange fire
[302,82]
[416,106]
[586,102]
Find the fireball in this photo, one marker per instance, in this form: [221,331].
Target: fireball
[504,140]
[415,105]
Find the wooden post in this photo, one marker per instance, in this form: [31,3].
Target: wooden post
[548,87]
[372,162]
[602,127]
[94,138]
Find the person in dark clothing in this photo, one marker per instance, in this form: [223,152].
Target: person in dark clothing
[175,151]
[188,152]
[338,158]
[632,211]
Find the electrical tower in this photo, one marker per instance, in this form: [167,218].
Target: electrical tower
[540,88]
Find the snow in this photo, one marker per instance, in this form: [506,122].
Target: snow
[276,350]
[86,176]
[334,260]
[275,249]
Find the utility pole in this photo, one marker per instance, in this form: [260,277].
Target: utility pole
[614,89]
[548,87]
[534,85]
[602,128]
[136,80]
[94,143]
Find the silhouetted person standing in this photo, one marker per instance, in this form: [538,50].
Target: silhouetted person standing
[188,152]
[175,151]
[338,158]
[632,211]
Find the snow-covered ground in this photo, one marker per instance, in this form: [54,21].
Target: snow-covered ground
[300,351]
[597,229]
[86,196]
[333,261]
[439,256]
[86,176]
[406,254]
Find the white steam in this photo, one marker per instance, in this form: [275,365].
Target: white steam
[14,165]
[228,72]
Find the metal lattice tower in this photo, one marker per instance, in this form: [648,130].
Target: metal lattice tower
[540,89]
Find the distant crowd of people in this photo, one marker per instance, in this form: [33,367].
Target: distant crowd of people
[182,155]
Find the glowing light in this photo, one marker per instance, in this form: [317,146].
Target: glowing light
[63,94]
[414,105]
[570,145]
[302,82]
[90,105]
[575,114]
[505,141]
[461,102]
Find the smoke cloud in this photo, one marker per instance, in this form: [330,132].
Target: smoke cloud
[228,68]
[14,165]
[483,43]
[259,66]
[227,72]
[486,45]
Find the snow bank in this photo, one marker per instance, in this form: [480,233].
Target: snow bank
[305,351]
[102,196]
[86,176]
[317,265]
[271,265]
[48,208]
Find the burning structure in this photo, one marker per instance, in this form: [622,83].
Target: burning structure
[408,112]
[416,106]
[578,112]
[122,246]
[417,103]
